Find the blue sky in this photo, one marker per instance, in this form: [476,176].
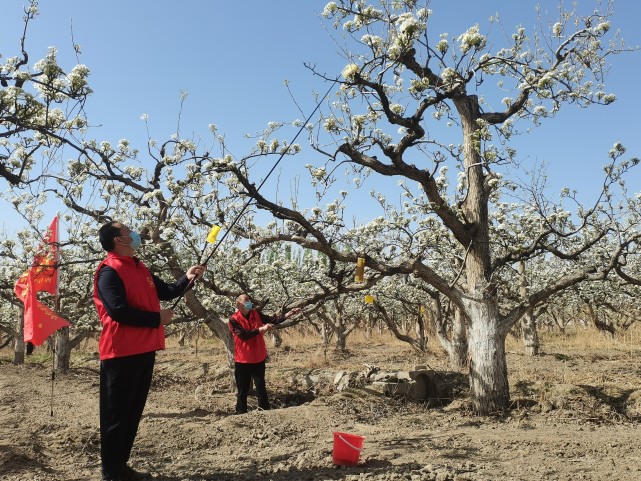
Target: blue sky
[232,59]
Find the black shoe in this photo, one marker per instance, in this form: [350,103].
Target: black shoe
[111,477]
[130,474]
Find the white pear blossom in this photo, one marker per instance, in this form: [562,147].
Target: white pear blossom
[409,26]
[330,9]
[350,71]
[318,173]
[398,109]
[449,75]
[603,27]
[423,14]
[374,42]
[616,150]
[472,39]
[331,124]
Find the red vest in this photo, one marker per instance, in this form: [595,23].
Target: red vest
[117,339]
[253,350]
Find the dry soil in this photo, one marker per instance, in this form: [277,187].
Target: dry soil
[575,417]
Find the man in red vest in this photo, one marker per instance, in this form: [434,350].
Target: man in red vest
[248,326]
[127,297]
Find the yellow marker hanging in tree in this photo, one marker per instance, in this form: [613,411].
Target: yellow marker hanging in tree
[369,299]
[360,270]
[211,237]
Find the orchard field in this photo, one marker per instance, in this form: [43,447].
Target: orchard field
[575,416]
[418,202]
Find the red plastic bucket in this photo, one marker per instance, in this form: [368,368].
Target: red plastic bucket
[347,448]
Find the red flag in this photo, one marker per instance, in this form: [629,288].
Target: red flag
[21,286]
[45,264]
[40,321]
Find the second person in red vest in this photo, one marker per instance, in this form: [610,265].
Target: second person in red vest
[248,326]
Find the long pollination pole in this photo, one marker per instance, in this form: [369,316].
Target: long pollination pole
[242,211]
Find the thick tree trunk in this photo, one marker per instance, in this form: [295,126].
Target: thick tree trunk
[455,341]
[488,365]
[217,326]
[222,332]
[62,350]
[458,346]
[529,333]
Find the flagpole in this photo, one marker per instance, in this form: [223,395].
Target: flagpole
[53,370]
[56,301]
[56,259]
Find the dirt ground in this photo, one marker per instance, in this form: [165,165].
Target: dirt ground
[576,417]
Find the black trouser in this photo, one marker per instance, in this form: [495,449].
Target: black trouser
[124,385]
[244,373]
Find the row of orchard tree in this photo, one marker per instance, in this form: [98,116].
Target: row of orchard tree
[282,276]
[475,258]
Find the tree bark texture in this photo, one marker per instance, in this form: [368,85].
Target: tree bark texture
[459,352]
[18,351]
[222,332]
[62,351]
[452,335]
[529,333]
[488,366]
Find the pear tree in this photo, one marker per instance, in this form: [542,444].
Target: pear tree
[402,85]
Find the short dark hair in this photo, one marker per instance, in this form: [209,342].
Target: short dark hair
[107,233]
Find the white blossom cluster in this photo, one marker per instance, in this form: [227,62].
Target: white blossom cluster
[350,71]
[472,39]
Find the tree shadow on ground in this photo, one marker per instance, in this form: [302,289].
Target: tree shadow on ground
[14,461]
[448,386]
[312,473]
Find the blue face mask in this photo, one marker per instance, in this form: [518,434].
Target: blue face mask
[248,305]
[136,241]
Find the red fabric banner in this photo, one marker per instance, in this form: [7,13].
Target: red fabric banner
[44,268]
[40,321]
